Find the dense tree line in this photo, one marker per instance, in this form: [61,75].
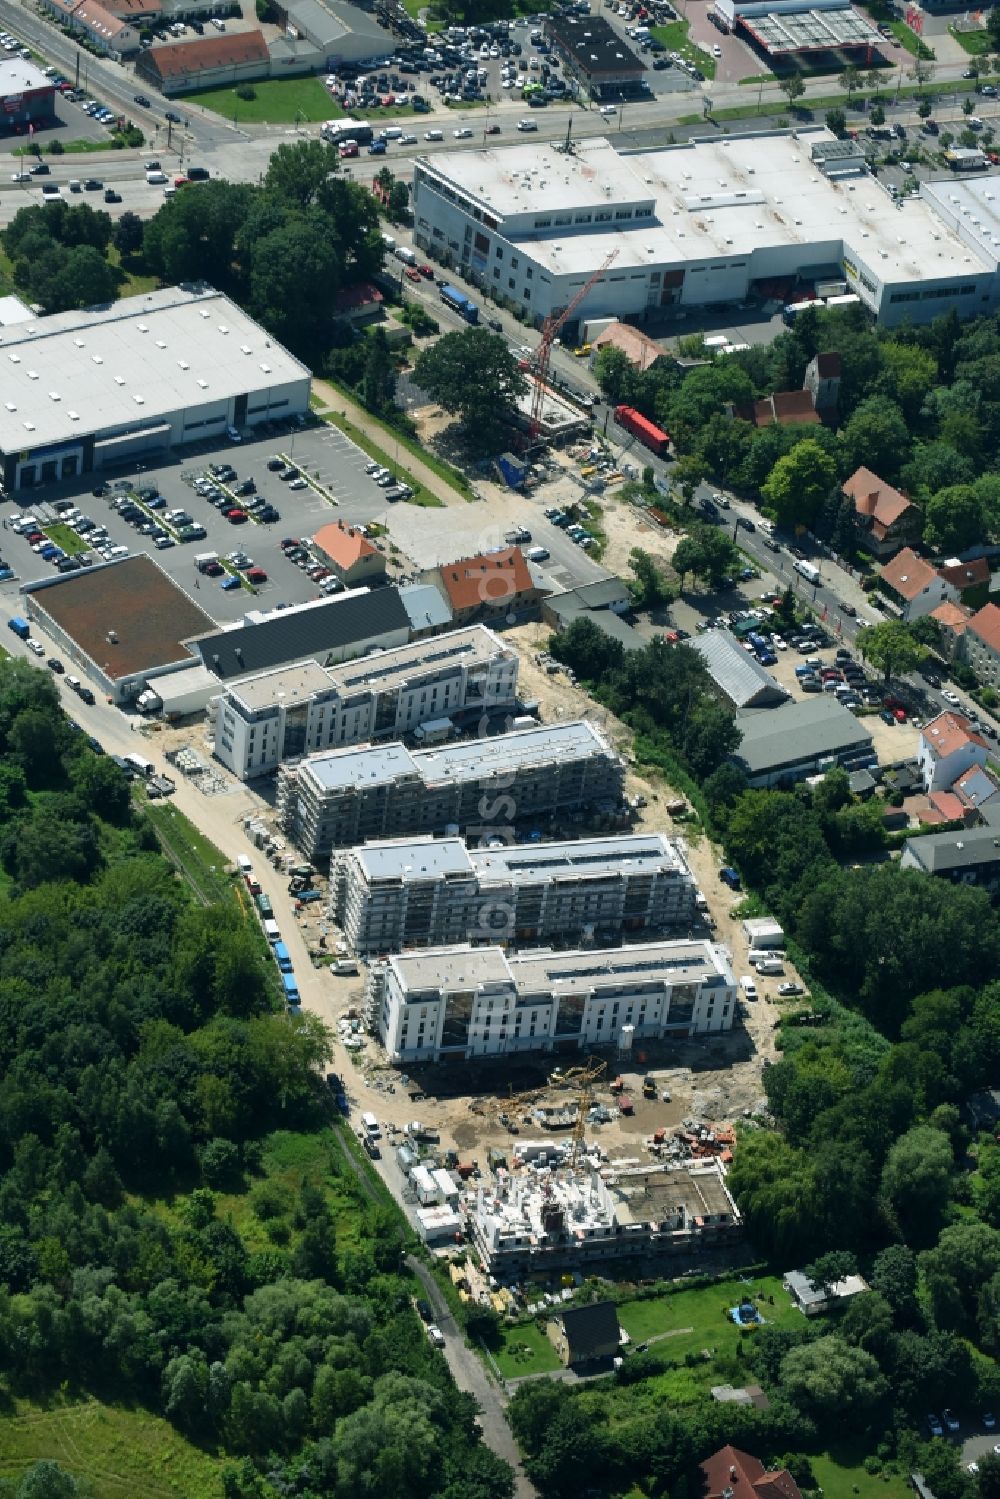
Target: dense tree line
[283,249]
[142,1057]
[918,405]
[664,693]
[60,253]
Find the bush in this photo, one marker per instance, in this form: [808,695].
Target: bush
[247,92]
[56,148]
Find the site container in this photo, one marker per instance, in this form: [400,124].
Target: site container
[648,433]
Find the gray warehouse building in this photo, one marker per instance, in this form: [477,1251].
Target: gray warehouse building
[86,390]
[799,739]
[479,786]
[420,892]
[737,673]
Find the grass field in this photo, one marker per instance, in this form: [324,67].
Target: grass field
[198,860]
[976,43]
[65,537]
[674,37]
[840,1473]
[525,1350]
[689,1321]
[282,101]
[121,1452]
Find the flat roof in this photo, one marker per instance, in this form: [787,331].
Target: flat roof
[437,655]
[295,684]
[716,198]
[558,972]
[124,366]
[594,44]
[473,759]
[784,31]
[800,730]
[17,76]
[430,858]
[654,1194]
[148,613]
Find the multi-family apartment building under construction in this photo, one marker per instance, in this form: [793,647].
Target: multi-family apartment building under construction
[479,786]
[451,1003]
[305,708]
[425,892]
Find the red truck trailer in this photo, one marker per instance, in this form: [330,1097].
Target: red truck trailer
[648,433]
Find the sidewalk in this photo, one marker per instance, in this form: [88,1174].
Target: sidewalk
[384,438]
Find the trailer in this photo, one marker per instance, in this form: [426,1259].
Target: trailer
[291,990]
[336,132]
[647,432]
[460,303]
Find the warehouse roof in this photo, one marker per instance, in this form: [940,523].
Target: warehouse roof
[206,53]
[595,46]
[127,616]
[18,76]
[798,731]
[289,634]
[736,672]
[719,198]
[125,365]
[329,22]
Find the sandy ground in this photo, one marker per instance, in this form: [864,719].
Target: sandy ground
[713,1081]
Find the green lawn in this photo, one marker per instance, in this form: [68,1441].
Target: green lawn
[120,1452]
[840,1473]
[697,1319]
[976,43]
[525,1350]
[198,860]
[280,101]
[65,537]
[674,37]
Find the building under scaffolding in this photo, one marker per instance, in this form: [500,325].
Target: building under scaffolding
[527,1222]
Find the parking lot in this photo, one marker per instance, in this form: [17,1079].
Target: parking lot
[321,453]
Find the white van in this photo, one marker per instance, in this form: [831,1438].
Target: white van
[433,135]
[527,124]
[768,967]
[155,179]
[271,931]
[244,866]
[370,1126]
[748,987]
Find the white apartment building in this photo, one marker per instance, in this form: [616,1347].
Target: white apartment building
[455,1002]
[400,893]
[703,222]
[303,709]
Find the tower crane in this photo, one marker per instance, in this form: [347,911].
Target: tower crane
[550,329]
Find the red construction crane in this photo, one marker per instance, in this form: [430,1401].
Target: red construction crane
[551,326]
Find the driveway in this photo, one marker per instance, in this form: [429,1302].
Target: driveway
[469,1374]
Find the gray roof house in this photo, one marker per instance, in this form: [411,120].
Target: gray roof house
[585,1334]
[737,673]
[786,744]
[966,856]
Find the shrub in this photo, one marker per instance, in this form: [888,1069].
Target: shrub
[246,91]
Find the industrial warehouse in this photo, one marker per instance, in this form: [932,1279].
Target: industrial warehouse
[470,1001]
[399,893]
[708,221]
[348,795]
[87,390]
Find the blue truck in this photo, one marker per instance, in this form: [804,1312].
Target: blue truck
[460,303]
[20,627]
[282,957]
[291,988]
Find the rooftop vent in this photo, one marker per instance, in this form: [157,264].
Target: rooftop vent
[32,374]
[10,406]
[160,344]
[97,358]
[14,358]
[78,342]
[119,379]
[29,426]
[183,364]
[54,395]
[139,400]
[74,416]
[142,327]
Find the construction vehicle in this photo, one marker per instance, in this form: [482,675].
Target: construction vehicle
[649,1087]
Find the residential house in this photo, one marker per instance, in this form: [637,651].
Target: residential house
[732,1474]
[886,519]
[972,579]
[912,587]
[585,1334]
[639,349]
[115,35]
[206,62]
[603,603]
[349,554]
[360,304]
[965,801]
[981,645]
[786,408]
[822,381]
[966,856]
[812,1298]
[952,621]
[947,748]
[490,587]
